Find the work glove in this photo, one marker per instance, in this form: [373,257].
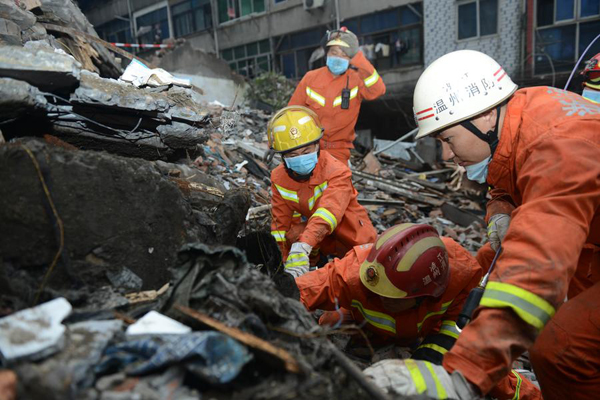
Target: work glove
[347,37]
[298,263]
[413,377]
[497,228]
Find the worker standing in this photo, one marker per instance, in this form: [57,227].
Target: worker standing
[591,80]
[315,210]
[539,149]
[335,92]
[407,287]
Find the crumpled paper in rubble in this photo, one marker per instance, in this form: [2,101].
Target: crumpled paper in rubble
[139,74]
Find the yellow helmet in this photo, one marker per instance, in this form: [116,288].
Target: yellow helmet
[293,127]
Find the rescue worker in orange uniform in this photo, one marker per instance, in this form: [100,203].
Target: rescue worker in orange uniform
[315,210]
[591,80]
[335,92]
[539,148]
[409,286]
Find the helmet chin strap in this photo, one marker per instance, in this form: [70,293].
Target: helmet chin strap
[491,137]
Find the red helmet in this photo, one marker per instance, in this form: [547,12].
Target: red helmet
[408,260]
[591,73]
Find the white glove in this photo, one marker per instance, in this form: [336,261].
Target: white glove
[497,229]
[297,263]
[413,377]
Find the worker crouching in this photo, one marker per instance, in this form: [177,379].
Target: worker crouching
[408,287]
[315,207]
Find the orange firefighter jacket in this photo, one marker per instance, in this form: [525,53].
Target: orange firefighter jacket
[340,280]
[547,164]
[434,321]
[321,91]
[327,200]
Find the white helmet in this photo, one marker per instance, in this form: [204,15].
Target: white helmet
[457,87]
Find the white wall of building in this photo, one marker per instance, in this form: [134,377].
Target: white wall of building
[441,33]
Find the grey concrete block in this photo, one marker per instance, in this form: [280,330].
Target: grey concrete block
[45,69]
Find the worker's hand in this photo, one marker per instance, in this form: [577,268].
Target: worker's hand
[413,377]
[297,263]
[497,228]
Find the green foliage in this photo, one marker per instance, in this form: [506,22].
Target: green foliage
[272,89]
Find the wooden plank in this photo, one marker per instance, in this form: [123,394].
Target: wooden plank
[388,186]
[75,33]
[255,343]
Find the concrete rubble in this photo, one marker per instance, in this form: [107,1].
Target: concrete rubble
[147,212]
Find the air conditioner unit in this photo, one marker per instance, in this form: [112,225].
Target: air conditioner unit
[313,4]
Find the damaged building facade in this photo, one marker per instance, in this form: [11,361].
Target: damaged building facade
[538,42]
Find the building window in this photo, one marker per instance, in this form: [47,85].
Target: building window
[250,59]
[279,1]
[233,9]
[477,18]
[116,31]
[191,16]
[295,52]
[391,38]
[564,28]
[153,26]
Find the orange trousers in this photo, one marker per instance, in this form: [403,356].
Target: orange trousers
[566,355]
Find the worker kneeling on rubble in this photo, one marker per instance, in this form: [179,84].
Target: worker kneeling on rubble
[409,287]
[336,91]
[315,210]
[539,149]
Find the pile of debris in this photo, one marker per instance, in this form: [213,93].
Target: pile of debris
[106,186]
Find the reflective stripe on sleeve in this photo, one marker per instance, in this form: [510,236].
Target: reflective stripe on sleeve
[431,314]
[279,235]
[425,379]
[318,193]
[449,328]
[517,395]
[434,347]
[376,318]
[371,80]
[327,216]
[296,214]
[353,94]
[288,194]
[296,260]
[315,96]
[530,307]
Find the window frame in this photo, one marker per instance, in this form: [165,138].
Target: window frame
[239,7]
[192,12]
[253,58]
[577,21]
[477,20]
[150,9]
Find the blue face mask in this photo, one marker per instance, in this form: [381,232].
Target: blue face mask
[302,165]
[591,95]
[337,65]
[478,172]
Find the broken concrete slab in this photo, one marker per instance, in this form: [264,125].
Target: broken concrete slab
[11,11]
[9,31]
[43,68]
[110,93]
[116,212]
[67,13]
[18,98]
